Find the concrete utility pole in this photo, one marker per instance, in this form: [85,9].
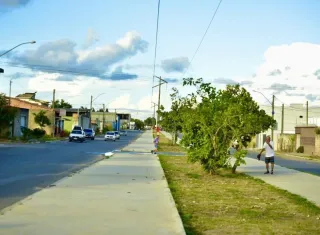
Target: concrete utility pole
[307,116]
[10,91]
[272,129]
[90,112]
[161,82]
[54,112]
[103,121]
[282,119]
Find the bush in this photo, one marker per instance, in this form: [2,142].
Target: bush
[317,130]
[300,149]
[38,133]
[64,133]
[26,133]
[105,129]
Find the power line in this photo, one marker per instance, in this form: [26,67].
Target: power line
[214,14]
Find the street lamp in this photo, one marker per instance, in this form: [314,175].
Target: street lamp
[32,42]
[272,103]
[91,105]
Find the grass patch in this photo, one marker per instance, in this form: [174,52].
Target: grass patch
[235,203]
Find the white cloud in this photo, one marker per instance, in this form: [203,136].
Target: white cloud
[178,64]
[62,55]
[92,37]
[289,72]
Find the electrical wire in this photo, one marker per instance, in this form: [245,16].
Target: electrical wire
[204,35]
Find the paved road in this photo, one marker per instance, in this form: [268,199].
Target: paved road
[25,169]
[305,165]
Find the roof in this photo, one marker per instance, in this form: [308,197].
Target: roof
[31,104]
[28,95]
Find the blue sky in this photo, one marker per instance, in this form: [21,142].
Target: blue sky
[234,47]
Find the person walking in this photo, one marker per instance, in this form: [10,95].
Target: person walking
[269,158]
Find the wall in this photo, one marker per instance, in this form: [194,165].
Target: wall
[286,142]
[307,138]
[291,120]
[317,145]
[33,125]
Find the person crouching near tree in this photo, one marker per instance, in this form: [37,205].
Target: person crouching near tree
[156,143]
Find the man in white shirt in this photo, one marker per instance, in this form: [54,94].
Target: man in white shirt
[269,158]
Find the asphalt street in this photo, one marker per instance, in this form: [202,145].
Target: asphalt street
[299,164]
[27,168]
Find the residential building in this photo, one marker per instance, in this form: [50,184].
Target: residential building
[66,119]
[111,119]
[293,115]
[25,116]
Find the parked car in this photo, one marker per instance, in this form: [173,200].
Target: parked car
[76,135]
[117,134]
[110,135]
[123,133]
[89,133]
[78,128]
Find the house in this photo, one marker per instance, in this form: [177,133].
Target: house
[25,116]
[115,120]
[66,119]
[293,115]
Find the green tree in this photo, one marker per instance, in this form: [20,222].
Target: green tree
[138,123]
[62,104]
[41,119]
[7,113]
[213,120]
[150,121]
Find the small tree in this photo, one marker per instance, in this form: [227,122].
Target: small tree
[41,119]
[213,120]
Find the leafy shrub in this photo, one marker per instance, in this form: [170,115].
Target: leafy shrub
[317,130]
[26,133]
[64,133]
[38,133]
[300,149]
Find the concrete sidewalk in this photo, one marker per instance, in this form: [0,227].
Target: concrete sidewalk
[297,182]
[126,194]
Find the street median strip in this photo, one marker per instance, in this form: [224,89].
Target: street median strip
[227,203]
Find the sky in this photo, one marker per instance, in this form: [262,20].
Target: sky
[86,49]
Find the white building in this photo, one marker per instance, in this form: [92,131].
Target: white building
[295,114]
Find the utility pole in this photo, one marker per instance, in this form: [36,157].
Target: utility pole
[272,116]
[282,119]
[104,109]
[161,82]
[307,116]
[10,92]
[54,112]
[90,112]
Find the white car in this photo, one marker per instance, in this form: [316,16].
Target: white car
[123,133]
[76,135]
[110,135]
